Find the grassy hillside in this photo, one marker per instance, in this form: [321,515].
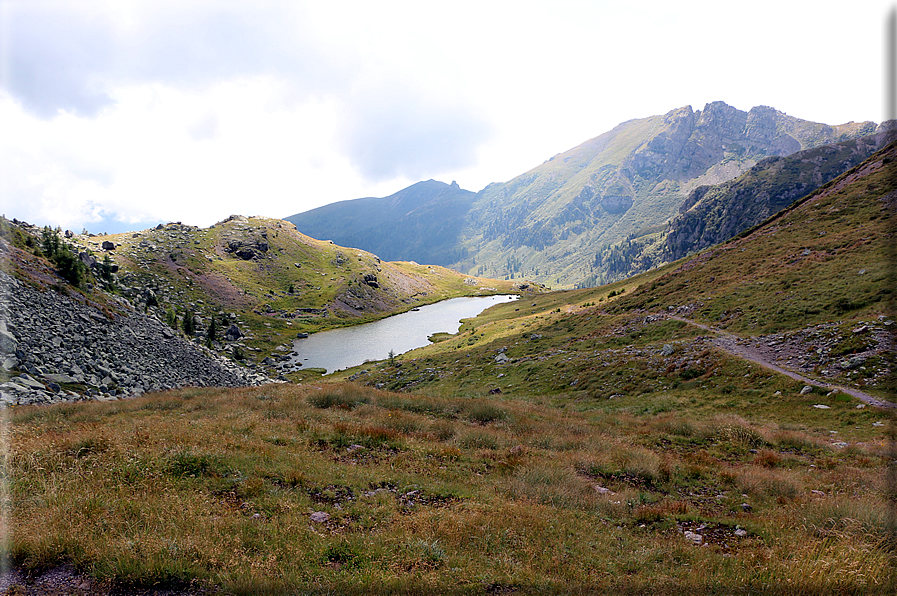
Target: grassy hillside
[267,278]
[583,441]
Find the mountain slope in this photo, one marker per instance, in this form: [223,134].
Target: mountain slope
[713,214]
[827,257]
[549,223]
[264,277]
[419,223]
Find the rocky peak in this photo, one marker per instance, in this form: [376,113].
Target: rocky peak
[721,119]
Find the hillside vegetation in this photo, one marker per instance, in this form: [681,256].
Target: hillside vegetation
[263,276]
[607,439]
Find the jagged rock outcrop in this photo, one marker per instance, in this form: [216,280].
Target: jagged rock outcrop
[713,214]
[57,349]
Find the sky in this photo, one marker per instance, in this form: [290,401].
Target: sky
[117,115]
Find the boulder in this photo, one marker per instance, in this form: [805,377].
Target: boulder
[8,342]
[88,260]
[108,245]
[233,333]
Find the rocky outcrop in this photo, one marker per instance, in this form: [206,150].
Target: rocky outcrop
[57,349]
[713,214]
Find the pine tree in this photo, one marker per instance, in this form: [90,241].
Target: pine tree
[213,330]
[187,324]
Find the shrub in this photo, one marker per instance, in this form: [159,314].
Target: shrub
[187,324]
[768,459]
[739,434]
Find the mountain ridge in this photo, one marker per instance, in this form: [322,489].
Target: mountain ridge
[548,223]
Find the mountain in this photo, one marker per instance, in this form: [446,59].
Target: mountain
[715,213]
[419,223]
[549,223]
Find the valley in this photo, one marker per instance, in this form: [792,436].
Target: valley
[722,423]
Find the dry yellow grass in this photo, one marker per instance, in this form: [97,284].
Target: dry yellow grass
[432,494]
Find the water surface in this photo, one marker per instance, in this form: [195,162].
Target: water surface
[351,346]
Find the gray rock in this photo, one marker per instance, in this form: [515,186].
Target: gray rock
[8,342]
[27,381]
[126,354]
[60,378]
[502,359]
[233,333]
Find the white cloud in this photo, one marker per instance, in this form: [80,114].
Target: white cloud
[141,112]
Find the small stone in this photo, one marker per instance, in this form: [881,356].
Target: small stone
[741,533]
[821,407]
[320,517]
[602,491]
[818,493]
[696,538]
[806,389]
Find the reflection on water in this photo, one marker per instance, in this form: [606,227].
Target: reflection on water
[343,348]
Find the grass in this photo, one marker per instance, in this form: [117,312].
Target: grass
[443,494]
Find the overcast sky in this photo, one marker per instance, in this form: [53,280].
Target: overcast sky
[116,115]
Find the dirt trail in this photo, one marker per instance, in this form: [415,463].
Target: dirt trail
[729,342]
